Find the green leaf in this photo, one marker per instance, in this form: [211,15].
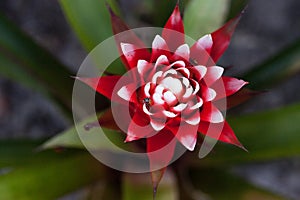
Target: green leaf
[267,135]
[90,19]
[204,16]
[51,178]
[91,22]
[222,185]
[95,138]
[26,62]
[279,67]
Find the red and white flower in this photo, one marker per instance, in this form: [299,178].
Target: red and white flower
[173,86]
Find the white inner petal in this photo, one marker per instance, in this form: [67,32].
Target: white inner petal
[147,89]
[169,97]
[157,99]
[173,84]
[156,75]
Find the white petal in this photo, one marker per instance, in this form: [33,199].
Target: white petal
[188,92]
[170,98]
[205,42]
[147,89]
[145,109]
[184,71]
[196,85]
[189,141]
[194,120]
[211,94]
[142,66]
[180,107]
[201,70]
[127,48]
[161,60]
[178,63]
[170,71]
[126,92]
[158,126]
[159,43]
[156,75]
[185,82]
[213,73]
[159,90]
[157,99]
[183,51]
[197,105]
[169,114]
[173,84]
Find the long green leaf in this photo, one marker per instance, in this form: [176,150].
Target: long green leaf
[91,22]
[267,135]
[204,16]
[90,19]
[277,68]
[25,61]
[50,179]
[220,185]
[93,138]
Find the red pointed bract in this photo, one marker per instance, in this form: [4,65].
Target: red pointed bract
[104,85]
[119,26]
[221,38]
[173,31]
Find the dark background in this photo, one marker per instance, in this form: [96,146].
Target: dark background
[266,28]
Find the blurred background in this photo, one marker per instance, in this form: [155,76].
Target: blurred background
[267,27]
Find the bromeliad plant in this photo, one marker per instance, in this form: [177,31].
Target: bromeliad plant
[175,93]
[172,91]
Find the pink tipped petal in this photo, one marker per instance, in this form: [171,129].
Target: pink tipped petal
[187,135]
[133,54]
[159,43]
[211,114]
[194,119]
[142,67]
[200,51]
[208,94]
[103,85]
[221,38]
[182,52]
[170,71]
[159,47]
[173,31]
[180,107]
[157,125]
[213,74]
[127,91]
[206,42]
